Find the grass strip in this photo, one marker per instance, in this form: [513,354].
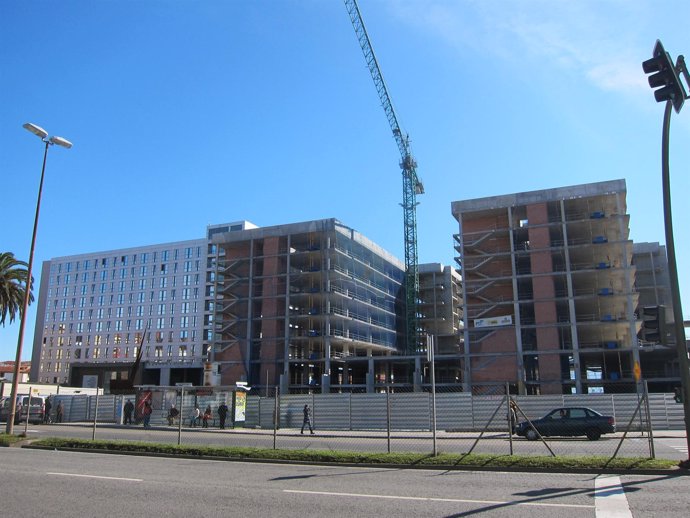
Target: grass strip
[7,439]
[345,457]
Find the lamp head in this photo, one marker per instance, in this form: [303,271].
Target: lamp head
[60,142]
[36,130]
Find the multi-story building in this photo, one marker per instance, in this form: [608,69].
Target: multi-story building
[440,315]
[97,310]
[312,305]
[659,356]
[548,285]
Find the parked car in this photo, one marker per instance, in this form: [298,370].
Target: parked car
[568,422]
[36,408]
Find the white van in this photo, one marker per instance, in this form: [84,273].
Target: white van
[35,407]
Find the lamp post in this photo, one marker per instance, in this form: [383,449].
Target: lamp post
[49,141]
[666,75]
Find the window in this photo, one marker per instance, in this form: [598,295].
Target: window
[159,351]
[182,351]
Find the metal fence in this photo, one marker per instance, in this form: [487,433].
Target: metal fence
[380,422]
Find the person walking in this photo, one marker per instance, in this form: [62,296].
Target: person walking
[194,416]
[128,410]
[172,414]
[307,419]
[222,414]
[59,411]
[513,416]
[46,411]
[148,410]
[208,414]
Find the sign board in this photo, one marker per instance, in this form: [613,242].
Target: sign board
[240,406]
[637,372]
[505,320]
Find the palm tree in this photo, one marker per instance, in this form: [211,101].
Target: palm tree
[13,275]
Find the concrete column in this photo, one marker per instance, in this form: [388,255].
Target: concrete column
[370,374]
[571,303]
[417,376]
[165,377]
[516,309]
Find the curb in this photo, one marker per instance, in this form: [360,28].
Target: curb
[672,472]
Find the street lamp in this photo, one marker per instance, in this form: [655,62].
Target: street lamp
[666,75]
[49,141]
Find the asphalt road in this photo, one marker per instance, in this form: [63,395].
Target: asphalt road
[667,445]
[58,484]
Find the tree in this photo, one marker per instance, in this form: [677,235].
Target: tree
[13,277]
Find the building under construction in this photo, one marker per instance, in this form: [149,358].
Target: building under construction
[316,306]
[549,291]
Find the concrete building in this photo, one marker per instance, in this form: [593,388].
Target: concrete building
[440,314]
[316,306]
[549,291]
[312,305]
[93,310]
[659,357]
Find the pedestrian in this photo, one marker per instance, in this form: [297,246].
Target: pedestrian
[513,416]
[58,412]
[222,414]
[148,410]
[307,419]
[194,416]
[208,414]
[129,410]
[172,414]
[46,411]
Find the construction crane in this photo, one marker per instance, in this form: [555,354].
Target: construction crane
[412,186]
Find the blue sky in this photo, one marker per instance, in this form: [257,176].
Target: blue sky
[185,113]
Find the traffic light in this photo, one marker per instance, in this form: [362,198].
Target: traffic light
[664,75]
[654,324]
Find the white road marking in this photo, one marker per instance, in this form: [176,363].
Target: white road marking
[96,476]
[429,499]
[609,498]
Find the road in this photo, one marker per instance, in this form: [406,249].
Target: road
[667,444]
[49,484]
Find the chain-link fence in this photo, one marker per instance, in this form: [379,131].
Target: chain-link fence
[610,425]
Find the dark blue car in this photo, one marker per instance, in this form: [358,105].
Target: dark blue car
[568,422]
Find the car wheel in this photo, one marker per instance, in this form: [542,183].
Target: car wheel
[531,435]
[593,434]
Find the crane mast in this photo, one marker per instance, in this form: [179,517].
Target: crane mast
[412,186]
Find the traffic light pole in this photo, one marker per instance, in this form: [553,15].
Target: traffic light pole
[679,329]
